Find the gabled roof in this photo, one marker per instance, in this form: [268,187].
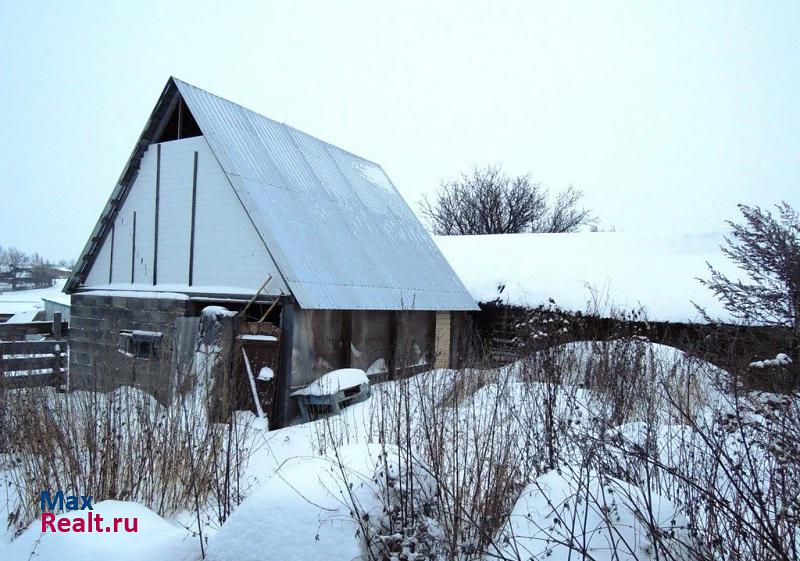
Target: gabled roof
[339,231]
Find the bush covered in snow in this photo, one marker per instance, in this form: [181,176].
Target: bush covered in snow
[620,449]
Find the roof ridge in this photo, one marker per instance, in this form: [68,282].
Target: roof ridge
[180,82]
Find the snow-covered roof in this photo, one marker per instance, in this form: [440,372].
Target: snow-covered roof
[654,270]
[24,317]
[340,233]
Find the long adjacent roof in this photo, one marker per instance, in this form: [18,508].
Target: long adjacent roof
[339,231]
[602,273]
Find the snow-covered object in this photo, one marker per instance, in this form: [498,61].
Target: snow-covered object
[565,511]
[155,539]
[377,367]
[217,311]
[147,334]
[303,511]
[149,294]
[269,338]
[781,359]
[24,317]
[266,374]
[335,381]
[656,271]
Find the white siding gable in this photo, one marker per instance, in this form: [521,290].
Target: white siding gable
[229,255]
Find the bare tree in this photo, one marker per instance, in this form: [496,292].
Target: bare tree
[67,263]
[41,272]
[564,214]
[767,249]
[487,201]
[12,262]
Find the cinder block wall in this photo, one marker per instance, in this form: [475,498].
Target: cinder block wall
[95,361]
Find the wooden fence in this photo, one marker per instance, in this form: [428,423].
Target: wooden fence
[28,364]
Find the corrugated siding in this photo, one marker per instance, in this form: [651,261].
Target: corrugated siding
[175,201]
[98,274]
[339,230]
[229,253]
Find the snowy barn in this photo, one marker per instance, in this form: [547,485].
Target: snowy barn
[595,272]
[216,201]
[643,282]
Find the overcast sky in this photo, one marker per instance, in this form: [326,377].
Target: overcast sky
[665,114]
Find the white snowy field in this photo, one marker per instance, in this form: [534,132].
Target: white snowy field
[391,471]
[656,271]
[22,301]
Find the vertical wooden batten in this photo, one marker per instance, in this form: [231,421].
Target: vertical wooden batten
[393,328]
[155,233]
[194,211]
[346,339]
[111,260]
[284,377]
[180,116]
[133,248]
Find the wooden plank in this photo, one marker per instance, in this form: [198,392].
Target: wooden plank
[111,260]
[155,226]
[194,211]
[284,373]
[392,358]
[31,347]
[17,330]
[133,248]
[25,364]
[30,381]
[57,323]
[346,339]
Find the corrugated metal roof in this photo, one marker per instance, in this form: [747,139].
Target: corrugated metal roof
[338,229]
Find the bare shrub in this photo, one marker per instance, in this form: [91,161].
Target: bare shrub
[487,201]
[122,444]
[660,455]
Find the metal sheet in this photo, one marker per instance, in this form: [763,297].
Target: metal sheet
[340,232]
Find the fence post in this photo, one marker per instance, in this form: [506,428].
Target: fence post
[57,325]
[56,367]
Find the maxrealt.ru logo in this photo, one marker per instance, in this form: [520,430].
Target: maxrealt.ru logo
[92,522]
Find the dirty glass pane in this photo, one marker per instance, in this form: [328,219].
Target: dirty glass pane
[370,341]
[317,345]
[414,339]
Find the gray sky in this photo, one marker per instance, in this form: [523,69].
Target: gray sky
[665,114]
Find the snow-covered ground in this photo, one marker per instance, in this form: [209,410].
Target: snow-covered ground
[626,270]
[314,490]
[26,301]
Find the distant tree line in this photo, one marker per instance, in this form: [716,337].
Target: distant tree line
[20,271]
[487,201]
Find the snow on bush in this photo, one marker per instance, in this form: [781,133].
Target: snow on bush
[781,359]
[337,506]
[572,513]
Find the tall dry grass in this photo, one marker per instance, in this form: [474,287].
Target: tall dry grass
[123,444]
[620,418]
